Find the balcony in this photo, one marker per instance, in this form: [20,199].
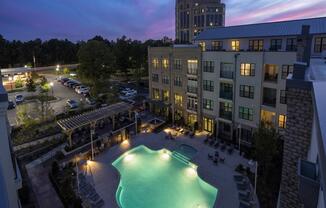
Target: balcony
[226,95]
[226,114]
[269,101]
[192,108]
[269,97]
[192,90]
[226,74]
[309,184]
[271,77]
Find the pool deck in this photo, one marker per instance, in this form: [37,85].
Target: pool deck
[106,178]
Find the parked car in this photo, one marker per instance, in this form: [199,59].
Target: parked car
[83,91]
[90,101]
[11,105]
[64,80]
[68,82]
[72,104]
[19,99]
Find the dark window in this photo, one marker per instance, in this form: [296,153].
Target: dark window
[165,80]
[269,97]
[177,64]
[217,45]
[209,66]
[226,110]
[226,91]
[246,135]
[192,103]
[276,44]
[291,44]
[155,77]
[208,104]
[256,45]
[247,91]
[208,85]
[178,81]
[283,96]
[246,113]
[286,70]
[320,44]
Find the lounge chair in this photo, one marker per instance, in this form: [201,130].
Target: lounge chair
[217,154]
[245,196]
[223,147]
[216,161]
[210,156]
[206,140]
[247,204]
[244,186]
[222,159]
[230,150]
[211,143]
[217,144]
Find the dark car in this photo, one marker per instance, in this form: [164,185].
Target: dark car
[63,80]
[19,99]
[72,104]
[11,105]
[90,101]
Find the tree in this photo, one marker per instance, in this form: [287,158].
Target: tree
[30,85]
[96,62]
[267,151]
[66,71]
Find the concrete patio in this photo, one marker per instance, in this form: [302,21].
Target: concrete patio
[105,177]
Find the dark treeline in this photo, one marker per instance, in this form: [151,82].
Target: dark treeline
[128,53]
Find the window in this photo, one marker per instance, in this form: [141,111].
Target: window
[165,80]
[291,44]
[203,46]
[269,97]
[208,124]
[156,94]
[226,70]
[209,66]
[282,121]
[155,63]
[165,63]
[247,91]
[246,135]
[256,45]
[268,117]
[177,64]
[271,72]
[178,99]
[235,45]
[208,85]
[246,113]
[192,119]
[283,96]
[247,69]
[178,81]
[217,45]
[192,67]
[208,104]
[192,86]
[166,95]
[276,44]
[320,44]
[286,70]
[192,103]
[226,91]
[155,77]
[226,110]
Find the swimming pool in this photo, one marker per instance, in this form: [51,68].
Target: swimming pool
[157,179]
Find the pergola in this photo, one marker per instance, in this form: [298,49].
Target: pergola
[90,118]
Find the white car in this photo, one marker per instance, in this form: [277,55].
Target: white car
[83,91]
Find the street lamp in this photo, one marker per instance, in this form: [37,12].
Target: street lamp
[58,68]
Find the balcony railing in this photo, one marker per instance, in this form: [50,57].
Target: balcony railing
[191,107]
[271,77]
[226,114]
[226,95]
[269,101]
[226,74]
[192,89]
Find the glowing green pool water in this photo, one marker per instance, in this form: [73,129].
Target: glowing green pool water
[158,179]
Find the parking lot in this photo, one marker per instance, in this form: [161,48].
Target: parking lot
[62,93]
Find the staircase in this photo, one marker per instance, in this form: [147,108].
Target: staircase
[180,157]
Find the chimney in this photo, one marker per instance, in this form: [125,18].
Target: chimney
[304,45]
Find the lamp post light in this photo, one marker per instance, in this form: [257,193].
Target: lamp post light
[57,68]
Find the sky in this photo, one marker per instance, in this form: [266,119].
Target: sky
[137,19]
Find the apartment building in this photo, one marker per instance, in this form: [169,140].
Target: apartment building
[304,153]
[10,178]
[195,16]
[241,77]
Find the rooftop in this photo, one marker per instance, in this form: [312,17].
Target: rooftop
[284,28]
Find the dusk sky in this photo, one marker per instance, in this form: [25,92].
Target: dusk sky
[138,19]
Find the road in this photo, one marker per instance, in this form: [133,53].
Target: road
[60,91]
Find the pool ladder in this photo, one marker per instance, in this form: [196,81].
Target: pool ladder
[180,157]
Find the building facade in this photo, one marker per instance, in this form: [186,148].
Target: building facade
[241,75]
[195,16]
[10,178]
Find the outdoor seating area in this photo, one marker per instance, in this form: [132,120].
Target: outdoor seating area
[246,195]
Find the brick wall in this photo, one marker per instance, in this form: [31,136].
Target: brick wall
[296,143]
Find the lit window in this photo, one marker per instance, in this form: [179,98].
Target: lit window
[155,63]
[208,124]
[247,69]
[267,117]
[235,45]
[178,99]
[192,67]
[165,63]
[156,94]
[203,46]
[166,95]
[282,121]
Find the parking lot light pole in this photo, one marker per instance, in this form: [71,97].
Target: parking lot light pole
[51,84]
